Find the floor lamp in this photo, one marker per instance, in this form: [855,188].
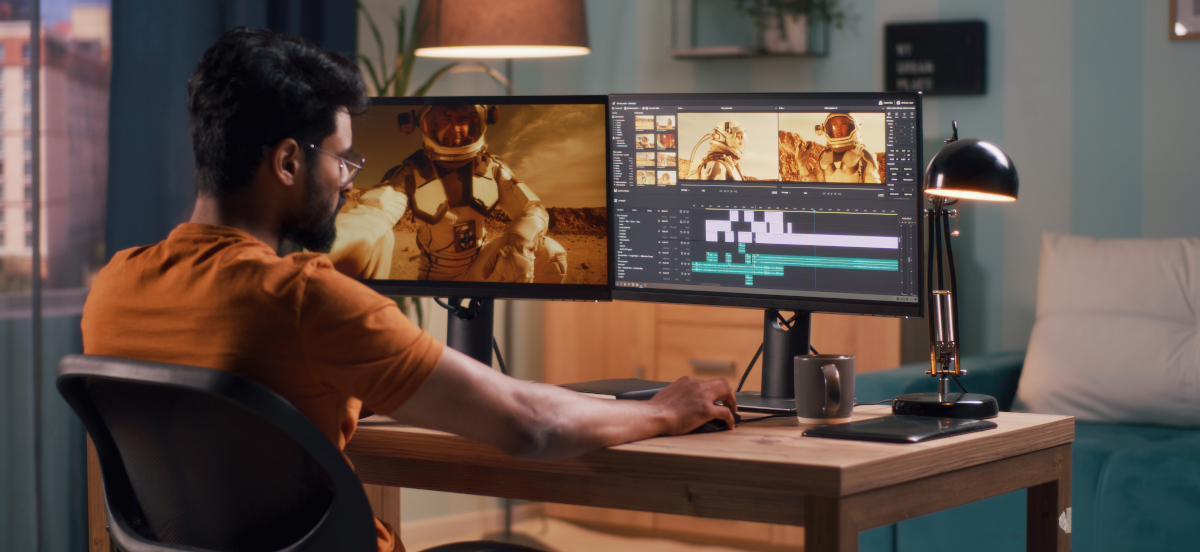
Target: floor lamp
[491,29]
[963,169]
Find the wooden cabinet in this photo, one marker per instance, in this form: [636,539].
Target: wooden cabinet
[590,341]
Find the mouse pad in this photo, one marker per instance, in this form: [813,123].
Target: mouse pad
[900,429]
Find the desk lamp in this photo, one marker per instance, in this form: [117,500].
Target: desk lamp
[489,29]
[963,169]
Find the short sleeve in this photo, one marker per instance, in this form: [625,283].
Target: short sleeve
[358,342]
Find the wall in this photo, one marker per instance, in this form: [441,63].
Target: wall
[1093,103]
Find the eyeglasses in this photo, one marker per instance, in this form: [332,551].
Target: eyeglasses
[349,166]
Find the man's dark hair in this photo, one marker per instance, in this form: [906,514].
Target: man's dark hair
[255,88]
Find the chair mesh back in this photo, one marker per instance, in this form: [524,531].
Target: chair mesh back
[209,473]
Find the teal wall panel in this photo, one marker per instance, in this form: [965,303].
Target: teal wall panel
[1106,153]
[1169,129]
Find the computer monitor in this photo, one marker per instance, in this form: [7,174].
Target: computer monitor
[784,202]
[480,198]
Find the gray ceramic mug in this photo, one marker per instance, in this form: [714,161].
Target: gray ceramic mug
[824,388]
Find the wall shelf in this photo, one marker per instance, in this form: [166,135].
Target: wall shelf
[715,29]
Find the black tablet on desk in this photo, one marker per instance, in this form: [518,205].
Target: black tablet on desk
[899,429]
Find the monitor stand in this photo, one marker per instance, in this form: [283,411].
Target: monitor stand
[469,328]
[780,346]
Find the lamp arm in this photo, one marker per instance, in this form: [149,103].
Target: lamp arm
[953,291]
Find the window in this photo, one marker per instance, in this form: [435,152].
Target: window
[29,192]
[25,51]
[28,145]
[29,239]
[28,98]
[28,124]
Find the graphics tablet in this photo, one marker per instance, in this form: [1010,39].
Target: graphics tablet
[900,429]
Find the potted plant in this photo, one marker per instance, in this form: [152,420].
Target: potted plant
[782,26]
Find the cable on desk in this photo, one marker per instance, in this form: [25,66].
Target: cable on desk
[768,417]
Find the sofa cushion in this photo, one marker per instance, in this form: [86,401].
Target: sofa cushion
[1115,338]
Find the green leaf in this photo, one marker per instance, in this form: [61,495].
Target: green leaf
[371,72]
[433,78]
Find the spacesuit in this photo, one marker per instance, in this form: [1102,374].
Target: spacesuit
[451,185]
[845,159]
[727,143]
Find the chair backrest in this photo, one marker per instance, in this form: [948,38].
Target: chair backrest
[199,459]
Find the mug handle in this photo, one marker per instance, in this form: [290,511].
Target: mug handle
[833,396]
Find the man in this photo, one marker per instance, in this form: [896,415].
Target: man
[727,144]
[451,185]
[845,159]
[270,125]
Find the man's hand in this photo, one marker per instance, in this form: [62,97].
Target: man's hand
[534,420]
[689,402]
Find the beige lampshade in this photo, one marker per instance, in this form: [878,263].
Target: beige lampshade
[503,28]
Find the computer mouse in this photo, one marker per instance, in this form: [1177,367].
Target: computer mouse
[716,424]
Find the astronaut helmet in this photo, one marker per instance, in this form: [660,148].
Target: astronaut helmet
[840,130]
[731,135]
[453,132]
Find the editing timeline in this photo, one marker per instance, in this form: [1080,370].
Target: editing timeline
[776,231]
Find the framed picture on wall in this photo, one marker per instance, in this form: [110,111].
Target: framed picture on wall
[1185,20]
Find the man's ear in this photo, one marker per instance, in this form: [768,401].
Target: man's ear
[284,161]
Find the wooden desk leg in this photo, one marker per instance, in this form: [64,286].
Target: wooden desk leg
[98,539]
[1048,518]
[827,526]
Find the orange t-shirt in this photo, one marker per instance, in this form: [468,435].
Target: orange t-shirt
[218,298]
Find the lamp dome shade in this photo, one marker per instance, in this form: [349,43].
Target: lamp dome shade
[502,29]
[972,169]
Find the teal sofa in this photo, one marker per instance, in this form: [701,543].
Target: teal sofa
[1133,487]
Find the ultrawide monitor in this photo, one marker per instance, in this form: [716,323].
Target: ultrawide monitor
[480,197]
[808,202]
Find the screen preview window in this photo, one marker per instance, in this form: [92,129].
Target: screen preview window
[485,193]
[801,196]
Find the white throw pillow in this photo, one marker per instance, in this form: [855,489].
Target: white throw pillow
[1116,337]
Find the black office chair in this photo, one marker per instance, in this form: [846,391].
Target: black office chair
[202,460]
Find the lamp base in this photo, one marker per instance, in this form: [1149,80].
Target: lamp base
[954,405]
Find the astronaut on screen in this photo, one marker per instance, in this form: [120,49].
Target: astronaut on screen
[726,145]
[845,159]
[451,185]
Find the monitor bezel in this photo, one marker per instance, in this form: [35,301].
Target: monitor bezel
[506,290]
[814,304]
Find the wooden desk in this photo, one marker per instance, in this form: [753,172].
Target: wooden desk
[762,471]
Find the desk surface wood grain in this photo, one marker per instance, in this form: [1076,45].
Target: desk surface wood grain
[769,454]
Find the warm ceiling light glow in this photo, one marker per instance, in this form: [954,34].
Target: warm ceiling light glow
[1180,30]
[964,194]
[501,52]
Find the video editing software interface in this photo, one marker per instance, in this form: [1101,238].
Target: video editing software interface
[793,196]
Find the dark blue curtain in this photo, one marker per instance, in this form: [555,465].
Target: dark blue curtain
[156,44]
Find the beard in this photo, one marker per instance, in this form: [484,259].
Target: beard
[314,228]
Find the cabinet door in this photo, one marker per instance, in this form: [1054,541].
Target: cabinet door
[591,341]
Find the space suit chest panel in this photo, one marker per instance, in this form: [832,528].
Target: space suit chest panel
[435,192]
